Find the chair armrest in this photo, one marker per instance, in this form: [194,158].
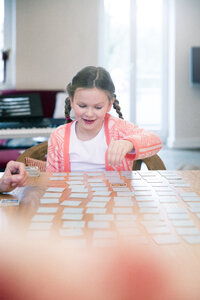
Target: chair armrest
[153,163]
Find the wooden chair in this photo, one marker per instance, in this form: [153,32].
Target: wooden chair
[36,152]
[152,163]
[35,156]
[39,152]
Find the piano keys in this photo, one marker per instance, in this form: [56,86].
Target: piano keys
[25,132]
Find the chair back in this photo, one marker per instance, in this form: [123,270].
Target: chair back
[38,152]
[152,163]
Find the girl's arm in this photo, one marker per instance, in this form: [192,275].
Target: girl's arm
[145,143]
[131,141]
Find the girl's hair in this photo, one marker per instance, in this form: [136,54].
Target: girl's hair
[90,77]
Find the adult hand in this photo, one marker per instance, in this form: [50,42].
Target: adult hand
[117,151]
[14,175]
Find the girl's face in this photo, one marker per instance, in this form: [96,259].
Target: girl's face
[90,106]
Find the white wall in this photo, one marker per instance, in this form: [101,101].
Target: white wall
[184,109]
[54,40]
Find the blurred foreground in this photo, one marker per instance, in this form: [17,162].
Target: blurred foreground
[35,269]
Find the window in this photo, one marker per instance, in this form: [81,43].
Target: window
[135,53]
[7,42]
[116,52]
[1,37]
[149,63]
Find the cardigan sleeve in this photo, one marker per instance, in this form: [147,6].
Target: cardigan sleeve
[51,154]
[55,161]
[145,143]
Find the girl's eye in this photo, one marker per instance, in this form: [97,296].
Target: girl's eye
[82,106]
[98,107]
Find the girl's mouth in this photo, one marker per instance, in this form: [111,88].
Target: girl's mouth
[88,121]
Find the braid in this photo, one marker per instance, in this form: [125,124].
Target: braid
[67,110]
[117,107]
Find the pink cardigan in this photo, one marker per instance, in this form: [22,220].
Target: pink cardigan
[145,144]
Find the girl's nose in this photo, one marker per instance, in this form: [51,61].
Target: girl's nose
[89,112]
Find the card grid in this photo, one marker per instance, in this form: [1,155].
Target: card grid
[114,202]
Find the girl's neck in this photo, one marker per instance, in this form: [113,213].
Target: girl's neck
[85,135]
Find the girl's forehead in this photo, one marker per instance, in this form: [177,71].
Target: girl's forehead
[90,92]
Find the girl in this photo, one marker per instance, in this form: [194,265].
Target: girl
[96,140]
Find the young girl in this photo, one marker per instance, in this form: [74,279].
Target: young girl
[96,140]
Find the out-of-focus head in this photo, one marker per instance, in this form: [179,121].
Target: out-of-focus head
[37,270]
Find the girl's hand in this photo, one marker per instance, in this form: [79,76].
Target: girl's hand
[117,151]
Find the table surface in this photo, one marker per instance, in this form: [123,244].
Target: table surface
[132,200]
[160,209]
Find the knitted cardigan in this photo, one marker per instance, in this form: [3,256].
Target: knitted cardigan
[144,142]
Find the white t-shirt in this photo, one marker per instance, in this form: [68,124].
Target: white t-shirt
[87,155]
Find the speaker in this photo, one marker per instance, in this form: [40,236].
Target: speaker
[195,64]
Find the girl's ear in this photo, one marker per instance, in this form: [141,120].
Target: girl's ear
[110,104]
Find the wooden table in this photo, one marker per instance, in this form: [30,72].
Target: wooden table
[148,209]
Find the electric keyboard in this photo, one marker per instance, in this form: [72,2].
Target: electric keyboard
[32,123]
[29,128]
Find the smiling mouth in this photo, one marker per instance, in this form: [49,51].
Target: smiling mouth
[88,121]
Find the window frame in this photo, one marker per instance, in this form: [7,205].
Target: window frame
[10,43]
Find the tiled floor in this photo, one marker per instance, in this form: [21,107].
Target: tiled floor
[180,159]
